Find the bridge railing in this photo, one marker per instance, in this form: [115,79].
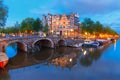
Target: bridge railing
[25,37]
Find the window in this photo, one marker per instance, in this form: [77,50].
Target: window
[60,27]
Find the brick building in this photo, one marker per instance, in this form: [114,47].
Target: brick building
[63,25]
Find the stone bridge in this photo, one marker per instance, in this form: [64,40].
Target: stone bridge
[27,44]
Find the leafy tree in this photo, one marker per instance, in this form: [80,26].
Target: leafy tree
[108,30]
[98,28]
[37,25]
[87,25]
[11,30]
[27,24]
[95,27]
[3,13]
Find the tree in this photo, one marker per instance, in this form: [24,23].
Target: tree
[87,25]
[27,24]
[3,14]
[37,25]
[108,30]
[95,27]
[11,30]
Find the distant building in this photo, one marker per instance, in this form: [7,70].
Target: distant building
[63,25]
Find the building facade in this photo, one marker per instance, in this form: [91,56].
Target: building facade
[63,25]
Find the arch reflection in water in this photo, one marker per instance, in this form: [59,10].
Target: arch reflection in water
[43,55]
[17,60]
[61,50]
[16,57]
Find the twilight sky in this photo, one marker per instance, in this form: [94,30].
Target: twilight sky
[105,11]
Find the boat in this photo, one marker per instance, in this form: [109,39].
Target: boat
[76,45]
[3,60]
[95,44]
[102,41]
[88,42]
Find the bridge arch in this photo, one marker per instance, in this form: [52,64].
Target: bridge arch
[43,42]
[20,45]
[61,42]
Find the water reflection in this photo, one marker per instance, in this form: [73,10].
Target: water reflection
[4,75]
[64,63]
[85,56]
[61,56]
[68,60]
[64,57]
[115,45]
[18,59]
[44,55]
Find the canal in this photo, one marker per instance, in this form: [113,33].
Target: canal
[64,63]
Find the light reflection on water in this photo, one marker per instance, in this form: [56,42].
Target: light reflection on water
[78,64]
[115,46]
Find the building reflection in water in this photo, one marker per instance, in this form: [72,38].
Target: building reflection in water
[65,57]
[62,56]
[85,56]
[65,61]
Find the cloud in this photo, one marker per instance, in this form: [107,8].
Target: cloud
[111,19]
[80,6]
[43,10]
[89,6]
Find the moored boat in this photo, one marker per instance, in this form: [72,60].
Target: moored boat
[95,44]
[103,41]
[3,60]
[88,42]
[76,45]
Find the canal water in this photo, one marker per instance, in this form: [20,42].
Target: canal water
[64,63]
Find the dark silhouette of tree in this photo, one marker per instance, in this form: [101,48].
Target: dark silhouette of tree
[3,14]
[37,25]
[27,24]
[95,27]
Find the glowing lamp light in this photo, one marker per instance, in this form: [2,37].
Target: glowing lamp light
[66,33]
[82,49]
[85,33]
[85,52]
[91,49]
[71,30]
[52,31]
[70,60]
